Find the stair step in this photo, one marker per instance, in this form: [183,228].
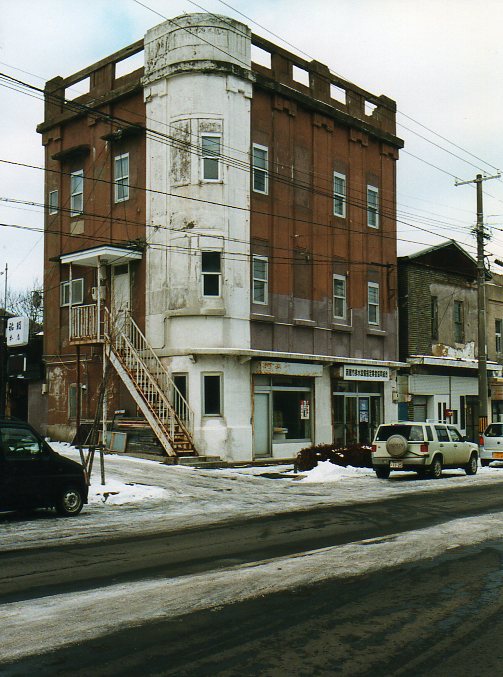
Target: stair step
[201,461]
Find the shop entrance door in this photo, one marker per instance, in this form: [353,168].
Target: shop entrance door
[262,425]
[361,418]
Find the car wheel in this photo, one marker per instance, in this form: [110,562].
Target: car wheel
[471,468]
[382,473]
[70,502]
[436,468]
[484,462]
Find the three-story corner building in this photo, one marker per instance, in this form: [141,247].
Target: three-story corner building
[221,233]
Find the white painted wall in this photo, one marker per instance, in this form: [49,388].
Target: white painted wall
[183,102]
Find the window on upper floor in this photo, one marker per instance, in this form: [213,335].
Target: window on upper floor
[53,202]
[260,282]
[72,292]
[339,294]
[260,159]
[373,303]
[77,192]
[498,326]
[372,207]
[459,322]
[210,157]
[211,273]
[339,194]
[121,177]
[434,318]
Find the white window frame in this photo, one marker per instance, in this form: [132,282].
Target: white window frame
[259,282]
[53,202]
[339,278]
[211,156]
[372,206]
[121,180]
[77,295]
[211,273]
[76,195]
[339,197]
[256,170]
[221,393]
[374,285]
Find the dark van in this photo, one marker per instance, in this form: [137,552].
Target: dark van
[32,475]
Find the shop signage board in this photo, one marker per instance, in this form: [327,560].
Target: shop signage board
[361,372]
[18,331]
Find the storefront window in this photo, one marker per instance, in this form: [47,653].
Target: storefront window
[292,414]
[357,407]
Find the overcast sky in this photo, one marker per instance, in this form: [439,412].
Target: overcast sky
[441,60]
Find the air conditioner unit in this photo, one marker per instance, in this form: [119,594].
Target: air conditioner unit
[94,293]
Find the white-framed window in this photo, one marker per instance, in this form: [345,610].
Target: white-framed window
[260,163]
[260,280]
[77,292]
[77,192]
[121,177]
[212,394]
[498,326]
[373,303]
[339,194]
[210,156]
[372,207]
[53,201]
[211,273]
[340,297]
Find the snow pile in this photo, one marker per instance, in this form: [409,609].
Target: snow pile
[326,471]
[121,493]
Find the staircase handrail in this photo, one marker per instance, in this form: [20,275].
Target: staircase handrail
[154,368]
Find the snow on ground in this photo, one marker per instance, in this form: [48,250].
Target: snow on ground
[73,617]
[146,496]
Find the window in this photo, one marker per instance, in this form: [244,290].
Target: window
[459,334]
[260,279]
[373,303]
[77,295]
[212,394]
[210,269]
[339,194]
[260,157]
[442,434]
[72,400]
[339,296]
[53,202]
[434,318]
[76,193]
[210,152]
[497,334]
[372,207]
[121,177]
[20,444]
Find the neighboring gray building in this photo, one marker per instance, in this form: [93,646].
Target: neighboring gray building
[438,326]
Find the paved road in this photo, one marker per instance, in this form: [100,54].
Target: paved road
[34,572]
[435,618]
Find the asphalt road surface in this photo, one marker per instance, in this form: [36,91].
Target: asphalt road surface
[32,572]
[435,618]
[442,616]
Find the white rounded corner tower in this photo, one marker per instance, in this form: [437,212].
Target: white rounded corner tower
[198,89]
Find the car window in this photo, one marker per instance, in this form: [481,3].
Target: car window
[412,433]
[19,444]
[455,435]
[442,433]
[429,433]
[494,430]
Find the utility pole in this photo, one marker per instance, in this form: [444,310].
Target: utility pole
[481,295]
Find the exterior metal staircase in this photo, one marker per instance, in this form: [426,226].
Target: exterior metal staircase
[165,409]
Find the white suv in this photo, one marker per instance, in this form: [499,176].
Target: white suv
[425,448]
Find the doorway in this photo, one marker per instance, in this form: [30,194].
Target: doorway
[262,426]
[121,295]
